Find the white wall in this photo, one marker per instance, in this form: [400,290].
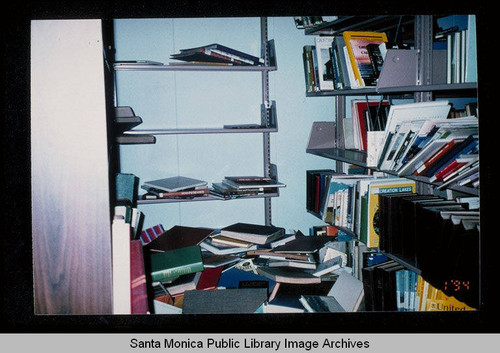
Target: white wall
[189,99]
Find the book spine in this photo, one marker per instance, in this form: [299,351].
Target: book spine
[170,273]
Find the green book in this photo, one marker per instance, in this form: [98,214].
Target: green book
[174,263]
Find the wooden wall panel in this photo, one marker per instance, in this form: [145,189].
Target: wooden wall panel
[70,182]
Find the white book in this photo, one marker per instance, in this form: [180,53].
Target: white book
[400,113]
[324,58]
[121,266]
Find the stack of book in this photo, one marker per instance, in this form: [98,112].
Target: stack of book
[216,54]
[351,60]
[238,186]
[178,187]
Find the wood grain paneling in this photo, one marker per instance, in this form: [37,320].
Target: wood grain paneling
[70,178]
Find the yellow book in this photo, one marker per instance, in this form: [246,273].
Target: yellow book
[376,188]
[442,302]
[359,56]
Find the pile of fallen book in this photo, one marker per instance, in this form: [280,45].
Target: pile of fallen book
[248,268]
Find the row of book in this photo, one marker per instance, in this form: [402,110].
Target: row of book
[420,139]
[439,237]
[350,202]
[182,187]
[351,60]
[389,286]
[457,37]
[264,270]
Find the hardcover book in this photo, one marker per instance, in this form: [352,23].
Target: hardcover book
[253,233]
[176,183]
[224,301]
[356,43]
[376,188]
[178,237]
[171,264]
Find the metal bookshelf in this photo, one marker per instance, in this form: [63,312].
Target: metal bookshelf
[418,83]
[268,113]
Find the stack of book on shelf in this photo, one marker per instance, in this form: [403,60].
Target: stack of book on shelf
[389,286]
[351,60]
[420,140]
[240,186]
[439,237]
[216,54]
[124,120]
[350,202]
[177,187]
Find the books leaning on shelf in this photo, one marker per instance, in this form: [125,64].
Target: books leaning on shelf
[348,61]
[217,53]
[421,140]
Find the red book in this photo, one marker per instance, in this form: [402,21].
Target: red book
[139,295]
[436,156]
[450,168]
[209,278]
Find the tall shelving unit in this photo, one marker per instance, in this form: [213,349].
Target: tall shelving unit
[421,89]
[268,113]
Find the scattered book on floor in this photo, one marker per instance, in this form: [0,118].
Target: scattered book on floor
[171,264]
[220,249]
[254,233]
[224,301]
[321,304]
[178,237]
[211,260]
[288,275]
[151,233]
